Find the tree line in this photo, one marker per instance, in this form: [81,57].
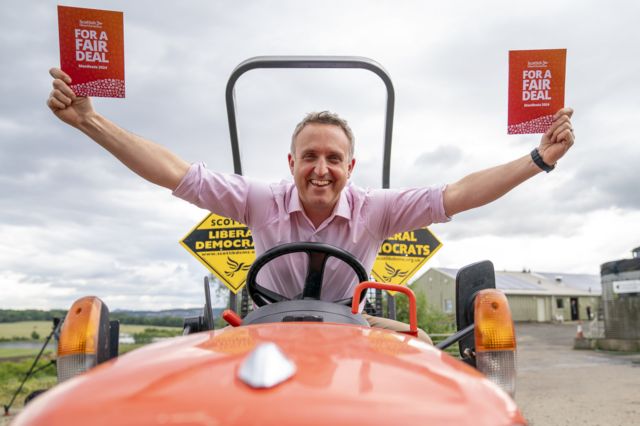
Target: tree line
[15,315]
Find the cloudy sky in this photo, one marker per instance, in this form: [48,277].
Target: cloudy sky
[73,221]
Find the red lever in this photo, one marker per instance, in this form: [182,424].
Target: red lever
[231,318]
[413,313]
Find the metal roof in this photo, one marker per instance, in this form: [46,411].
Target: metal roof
[551,283]
[513,282]
[585,282]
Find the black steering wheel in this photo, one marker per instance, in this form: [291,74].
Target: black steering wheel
[318,254]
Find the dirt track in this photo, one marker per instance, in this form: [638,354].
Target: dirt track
[561,386]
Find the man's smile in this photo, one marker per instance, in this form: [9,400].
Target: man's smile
[319,182]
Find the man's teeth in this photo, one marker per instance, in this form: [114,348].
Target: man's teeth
[320,182]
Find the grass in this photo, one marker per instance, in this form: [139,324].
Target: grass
[130,329]
[23,329]
[12,374]
[8,354]
[22,352]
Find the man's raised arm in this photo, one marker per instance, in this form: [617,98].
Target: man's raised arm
[151,161]
[485,186]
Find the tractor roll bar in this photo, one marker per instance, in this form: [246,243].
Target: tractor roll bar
[311,62]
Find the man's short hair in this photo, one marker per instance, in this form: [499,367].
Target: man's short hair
[324,117]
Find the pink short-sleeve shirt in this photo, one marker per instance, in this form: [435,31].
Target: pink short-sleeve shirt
[361,221]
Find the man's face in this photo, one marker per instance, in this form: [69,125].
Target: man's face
[321,167]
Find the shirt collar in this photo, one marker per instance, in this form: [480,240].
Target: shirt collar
[341,209]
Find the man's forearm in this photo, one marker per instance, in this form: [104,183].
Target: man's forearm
[485,186]
[151,161]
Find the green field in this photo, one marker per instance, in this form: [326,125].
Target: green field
[22,352]
[130,329]
[12,373]
[23,329]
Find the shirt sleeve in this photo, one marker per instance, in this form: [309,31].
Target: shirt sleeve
[398,210]
[220,193]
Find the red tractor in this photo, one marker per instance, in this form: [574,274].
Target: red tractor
[300,362]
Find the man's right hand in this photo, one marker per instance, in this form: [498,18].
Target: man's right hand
[64,103]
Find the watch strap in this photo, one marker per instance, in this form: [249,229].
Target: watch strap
[537,159]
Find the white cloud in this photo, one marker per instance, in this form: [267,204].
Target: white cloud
[73,220]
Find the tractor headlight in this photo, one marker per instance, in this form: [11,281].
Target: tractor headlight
[495,339]
[84,338]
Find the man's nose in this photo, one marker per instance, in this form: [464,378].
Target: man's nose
[321,167]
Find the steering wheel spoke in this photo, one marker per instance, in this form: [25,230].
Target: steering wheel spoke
[313,282]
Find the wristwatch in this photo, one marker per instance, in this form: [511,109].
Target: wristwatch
[535,156]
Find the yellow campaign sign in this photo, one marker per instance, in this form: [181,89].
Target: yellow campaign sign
[402,255]
[224,246]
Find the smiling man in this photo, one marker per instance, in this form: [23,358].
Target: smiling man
[321,161]
[320,205]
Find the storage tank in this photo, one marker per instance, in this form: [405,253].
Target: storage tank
[621,297]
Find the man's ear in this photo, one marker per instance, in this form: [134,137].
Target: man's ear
[350,167]
[291,162]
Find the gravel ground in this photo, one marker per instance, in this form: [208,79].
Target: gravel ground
[558,385]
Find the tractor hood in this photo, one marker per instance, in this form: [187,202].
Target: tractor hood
[342,374]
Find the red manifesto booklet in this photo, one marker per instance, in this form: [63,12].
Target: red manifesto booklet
[536,89]
[92,50]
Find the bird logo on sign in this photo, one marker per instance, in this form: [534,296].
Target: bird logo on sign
[393,273]
[235,267]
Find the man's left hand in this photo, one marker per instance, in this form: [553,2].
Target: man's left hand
[559,138]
